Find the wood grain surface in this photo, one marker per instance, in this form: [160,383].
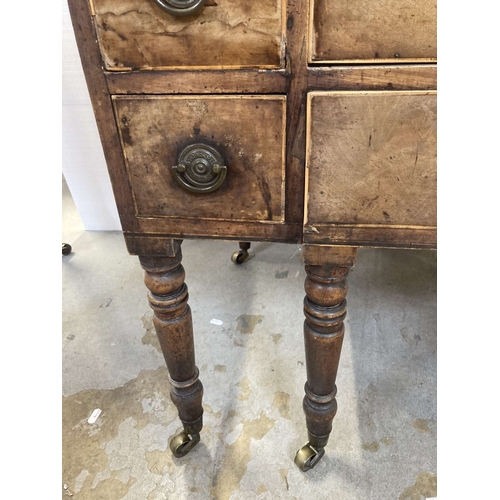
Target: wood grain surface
[150,240]
[168,297]
[375,235]
[138,34]
[188,81]
[247,131]
[368,30]
[373,77]
[277,216]
[371,159]
[325,309]
[296,67]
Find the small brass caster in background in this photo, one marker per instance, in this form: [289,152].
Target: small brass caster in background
[239,257]
[242,254]
[307,457]
[183,443]
[66,249]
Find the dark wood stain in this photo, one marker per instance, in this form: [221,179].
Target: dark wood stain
[135,34]
[394,31]
[164,277]
[325,309]
[253,186]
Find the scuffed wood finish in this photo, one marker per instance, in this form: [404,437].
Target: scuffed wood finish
[296,66]
[247,131]
[154,231]
[313,255]
[138,34]
[325,309]
[189,82]
[168,296]
[371,161]
[373,30]
[371,235]
[404,77]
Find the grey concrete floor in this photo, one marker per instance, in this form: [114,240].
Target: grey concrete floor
[383,443]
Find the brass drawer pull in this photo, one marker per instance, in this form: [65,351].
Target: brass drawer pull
[180,7]
[200,169]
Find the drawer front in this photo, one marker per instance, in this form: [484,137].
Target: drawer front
[373,30]
[139,34]
[247,133]
[371,160]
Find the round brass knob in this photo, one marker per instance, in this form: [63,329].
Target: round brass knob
[200,169]
[180,7]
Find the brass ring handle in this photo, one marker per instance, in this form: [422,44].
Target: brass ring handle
[200,169]
[180,7]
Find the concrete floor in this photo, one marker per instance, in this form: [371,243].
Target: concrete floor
[383,443]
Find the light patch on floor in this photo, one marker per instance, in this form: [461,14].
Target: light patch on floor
[159,462]
[425,487]
[409,337]
[277,338]
[261,489]
[237,456]
[281,275]
[387,440]
[235,433]
[248,322]
[373,446]
[422,425]
[284,475]
[80,480]
[282,403]
[124,414]
[245,391]
[150,337]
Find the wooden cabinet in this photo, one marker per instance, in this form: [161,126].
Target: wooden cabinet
[235,122]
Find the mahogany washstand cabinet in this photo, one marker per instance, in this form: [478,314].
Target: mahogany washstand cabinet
[296,121]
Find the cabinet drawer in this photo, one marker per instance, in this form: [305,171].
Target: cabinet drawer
[371,162]
[139,34]
[373,31]
[247,132]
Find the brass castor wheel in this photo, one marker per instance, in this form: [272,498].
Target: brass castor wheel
[308,456]
[239,257]
[183,443]
[66,249]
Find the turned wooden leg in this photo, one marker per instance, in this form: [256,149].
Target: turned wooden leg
[168,297]
[325,309]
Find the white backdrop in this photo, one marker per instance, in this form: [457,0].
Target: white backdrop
[82,158]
